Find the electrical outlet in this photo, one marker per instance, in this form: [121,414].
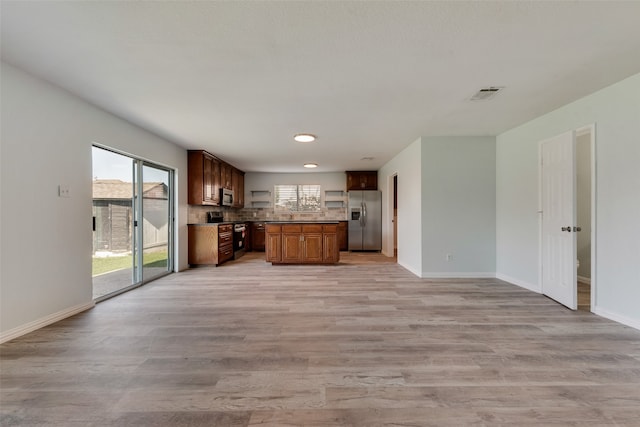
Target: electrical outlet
[63,191]
[449,257]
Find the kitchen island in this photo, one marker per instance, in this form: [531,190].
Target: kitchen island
[302,242]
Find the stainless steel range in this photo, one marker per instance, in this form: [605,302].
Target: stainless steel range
[239,239]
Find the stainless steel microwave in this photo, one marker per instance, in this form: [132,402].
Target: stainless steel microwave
[226,197]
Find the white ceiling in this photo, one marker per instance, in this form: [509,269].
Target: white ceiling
[241,78]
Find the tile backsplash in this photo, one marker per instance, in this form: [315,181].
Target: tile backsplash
[198,214]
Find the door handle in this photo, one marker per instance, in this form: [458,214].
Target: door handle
[577,228]
[566,229]
[364,211]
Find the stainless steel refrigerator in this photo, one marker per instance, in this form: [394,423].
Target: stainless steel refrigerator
[365,220]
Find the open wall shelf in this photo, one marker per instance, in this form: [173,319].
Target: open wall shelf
[335,199]
[261,199]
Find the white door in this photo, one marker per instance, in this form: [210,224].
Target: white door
[558,200]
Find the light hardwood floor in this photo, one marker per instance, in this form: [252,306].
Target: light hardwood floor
[584,296]
[362,343]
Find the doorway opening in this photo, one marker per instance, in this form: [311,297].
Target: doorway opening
[132,222]
[390,224]
[395,216]
[584,179]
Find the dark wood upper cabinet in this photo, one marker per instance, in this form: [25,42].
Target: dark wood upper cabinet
[226,179]
[362,180]
[203,179]
[207,175]
[237,185]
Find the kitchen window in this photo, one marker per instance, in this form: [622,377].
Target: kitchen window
[297,198]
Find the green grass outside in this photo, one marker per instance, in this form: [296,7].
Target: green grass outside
[106,265]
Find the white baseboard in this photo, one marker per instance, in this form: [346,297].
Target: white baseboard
[411,270]
[529,286]
[634,323]
[45,321]
[586,280]
[457,275]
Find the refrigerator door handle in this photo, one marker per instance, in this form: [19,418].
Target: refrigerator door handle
[364,214]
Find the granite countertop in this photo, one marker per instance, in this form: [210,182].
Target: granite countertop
[216,223]
[303,222]
[336,221]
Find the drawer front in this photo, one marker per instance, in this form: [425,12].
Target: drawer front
[273,228]
[226,228]
[225,253]
[312,228]
[330,228]
[225,238]
[291,228]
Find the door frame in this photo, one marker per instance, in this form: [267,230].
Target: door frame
[591,130]
[139,231]
[137,214]
[388,242]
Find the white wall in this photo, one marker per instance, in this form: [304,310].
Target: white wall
[266,181]
[583,205]
[328,181]
[407,165]
[615,111]
[458,206]
[46,140]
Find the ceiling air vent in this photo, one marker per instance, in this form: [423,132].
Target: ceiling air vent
[486,93]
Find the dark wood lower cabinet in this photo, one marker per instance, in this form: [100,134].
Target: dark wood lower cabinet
[210,244]
[257,236]
[297,243]
[329,243]
[343,235]
[291,246]
[273,245]
[313,248]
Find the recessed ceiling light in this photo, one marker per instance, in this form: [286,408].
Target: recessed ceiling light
[304,137]
[310,165]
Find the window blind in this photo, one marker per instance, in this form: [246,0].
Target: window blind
[304,197]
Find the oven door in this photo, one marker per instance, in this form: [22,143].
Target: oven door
[239,237]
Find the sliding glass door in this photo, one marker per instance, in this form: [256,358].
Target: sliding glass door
[132,222]
[156,222]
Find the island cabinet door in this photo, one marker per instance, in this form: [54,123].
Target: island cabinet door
[273,246]
[312,248]
[292,247]
[330,248]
